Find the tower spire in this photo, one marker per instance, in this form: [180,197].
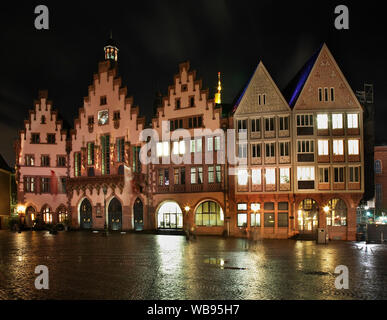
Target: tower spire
[218,95]
[111,49]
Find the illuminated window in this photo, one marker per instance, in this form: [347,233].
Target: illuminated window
[337,214]
[338,147]
[337,121]
[284,175]
[105,154]
[323,147]
[47,215]
[352,120]
[30,160]
[242,177]
[163,177]
[90,153]
[218,174]
[193,175]
[209,213]
[198,145]
[211,174]
[175,148]
[322,121]
[217,143]
[192,146]
[242,150]
[182,147]
[256,176]
[305,173]
[210,143]
[353,146]
[270,176]
[77,164]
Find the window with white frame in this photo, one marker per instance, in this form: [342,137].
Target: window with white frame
[323,147]
[284,123]
[284,175]
[210,143]
[354,174]
[353,146]
[269,124]
[270,149]
[192,146]
[304,120]
[198,145]
[284,148]
[193,175]
[256,150]
[242,150]
[305,146]
[217,143]
[256,176]
[211,174]
[255,125]
[162,148]
[242,125]
[324,175]
[322,121]
[338,174]
[352,121]
[337,121]
[305,173]
[242,177]
[338,147]
[270,175]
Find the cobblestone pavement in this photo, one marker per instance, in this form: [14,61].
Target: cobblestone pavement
[85,265]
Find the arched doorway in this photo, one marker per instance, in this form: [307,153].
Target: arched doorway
[86,214]
[115,214]
[30,216]
[138,212]
[308,216]
[169,216]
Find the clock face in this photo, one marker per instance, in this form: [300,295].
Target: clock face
[103,116]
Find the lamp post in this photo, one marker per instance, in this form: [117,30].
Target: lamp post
[186,209]
[106,225]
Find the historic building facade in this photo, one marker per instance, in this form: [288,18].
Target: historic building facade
[295,161]
[263,185]
[42,164]
[188,180]
[328,149]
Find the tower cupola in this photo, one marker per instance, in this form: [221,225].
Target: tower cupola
[111,49]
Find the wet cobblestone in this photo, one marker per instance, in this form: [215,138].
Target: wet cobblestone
[85,265]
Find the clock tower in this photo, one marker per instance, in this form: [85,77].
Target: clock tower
[111,49]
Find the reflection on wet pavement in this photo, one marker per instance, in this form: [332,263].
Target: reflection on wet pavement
[85,265]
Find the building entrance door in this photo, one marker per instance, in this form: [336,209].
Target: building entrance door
[115,215]
[308,217]
[170,216]
[138,210]
[86,215]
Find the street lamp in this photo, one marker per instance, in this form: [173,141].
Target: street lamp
[20,209]
[106,230]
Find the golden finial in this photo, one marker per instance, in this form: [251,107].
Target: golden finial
[218,99]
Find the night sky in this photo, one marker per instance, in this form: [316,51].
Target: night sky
[155,36]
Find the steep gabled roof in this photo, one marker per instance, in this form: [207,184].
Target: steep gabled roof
[321,72]
[294,88]
[260,83]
